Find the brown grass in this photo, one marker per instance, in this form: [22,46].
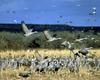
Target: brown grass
[60,75]
[63,74]
[43,52]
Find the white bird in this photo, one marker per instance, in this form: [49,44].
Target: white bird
[27,31]
[94,8]
[80,40]
[64,43]
[92,38]
[49,37]
[93,11]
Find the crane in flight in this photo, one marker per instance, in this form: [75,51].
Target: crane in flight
[49,37]
[27,31]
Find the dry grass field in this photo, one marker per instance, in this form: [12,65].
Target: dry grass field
[43,52]
[62,74]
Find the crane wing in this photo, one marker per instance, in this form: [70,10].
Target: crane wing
[47,35]
[25,28]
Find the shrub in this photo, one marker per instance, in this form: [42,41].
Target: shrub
[17,41]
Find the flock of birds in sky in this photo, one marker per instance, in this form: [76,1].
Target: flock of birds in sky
[50,38]
[39,63]
[92,12]
[68,12]
[43,64]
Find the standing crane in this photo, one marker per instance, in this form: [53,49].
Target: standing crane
[69,46]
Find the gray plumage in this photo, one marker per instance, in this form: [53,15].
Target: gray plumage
[81,39]
[49,37]
[84,51]
[69,46]
[27,31]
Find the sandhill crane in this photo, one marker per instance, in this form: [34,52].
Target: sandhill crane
[27,31]
[49,37]
[38,56]
[69,46]
[84,51]
[81,39]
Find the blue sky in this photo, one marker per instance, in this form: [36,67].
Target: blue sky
[73,12]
